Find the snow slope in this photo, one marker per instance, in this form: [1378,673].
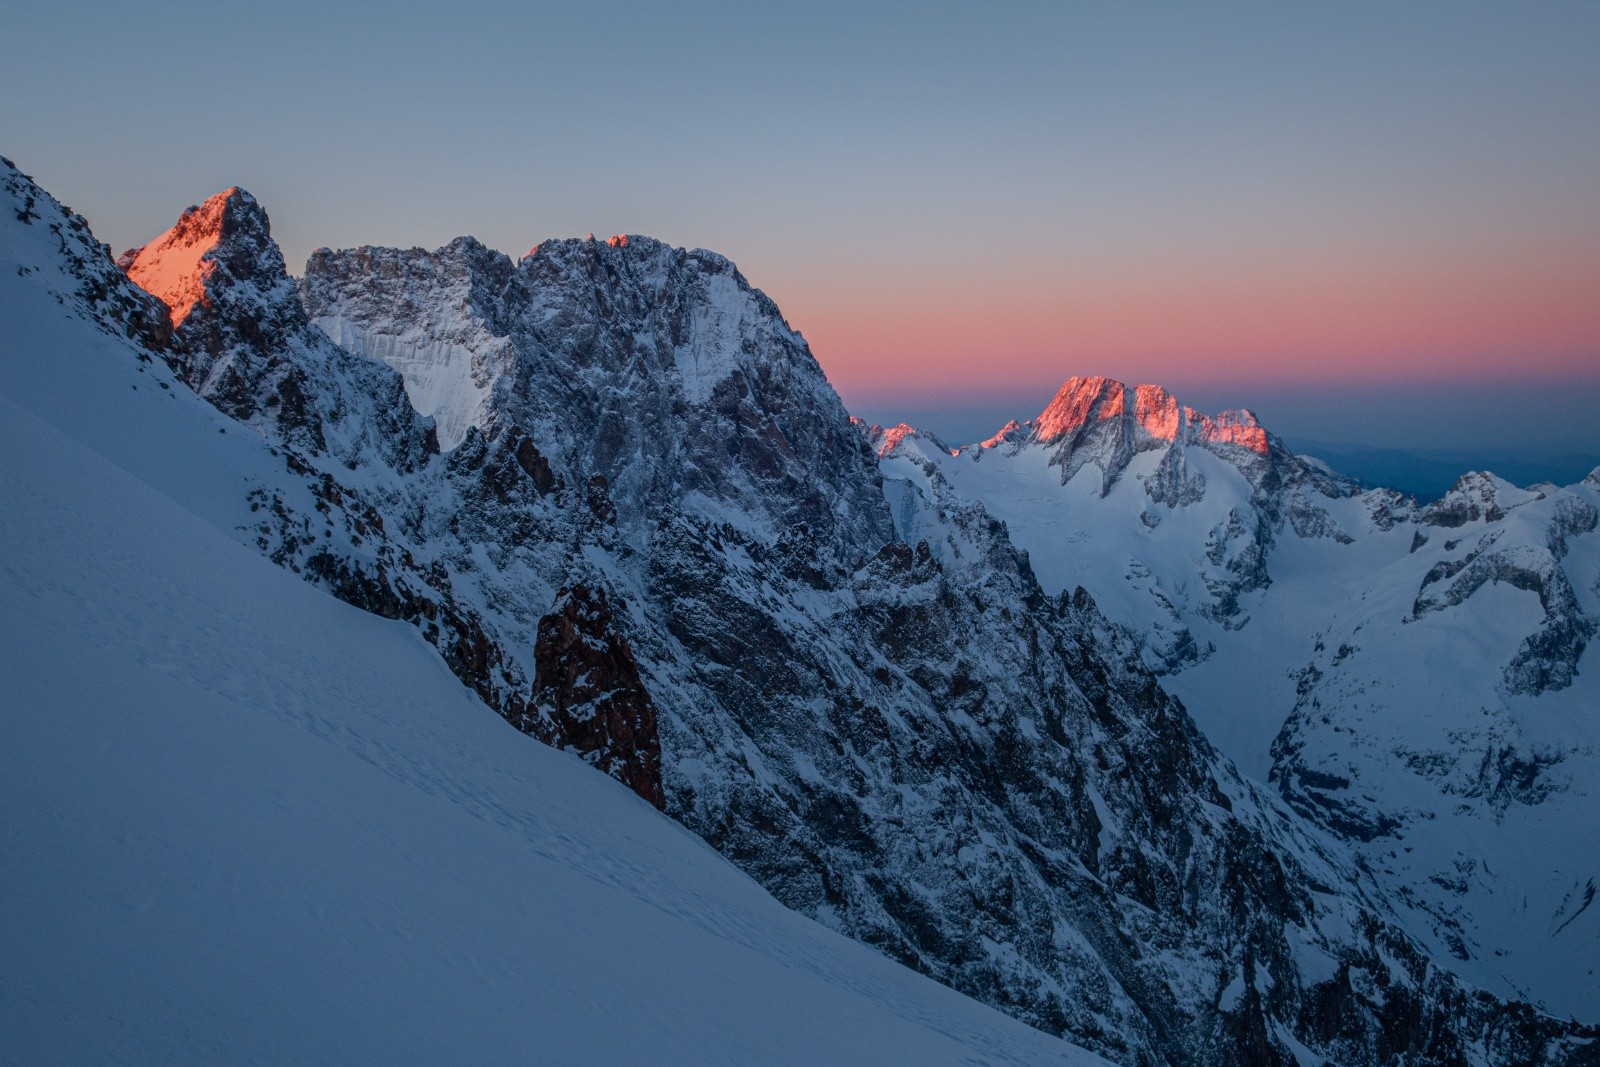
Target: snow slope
[244,821]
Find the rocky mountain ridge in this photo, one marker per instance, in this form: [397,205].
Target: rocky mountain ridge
[908,740]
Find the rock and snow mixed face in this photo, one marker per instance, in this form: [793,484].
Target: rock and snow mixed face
[862,697]
[1444,721]
[246,822]
[657,369]
[1165,515]
[1408,677]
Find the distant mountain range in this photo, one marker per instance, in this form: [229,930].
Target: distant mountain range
[1429,473]
[1426,473]
[1407,676]
[1130,721]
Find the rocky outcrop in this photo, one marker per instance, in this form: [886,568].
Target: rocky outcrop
[587,688]
[1173,483]
[1548,658]
[1476,497]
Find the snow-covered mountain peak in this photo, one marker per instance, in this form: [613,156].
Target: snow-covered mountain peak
[1101,423]
[1002,435]
[462,308]
[219,263]
[1084,401]
[1477,495]
[658,370]
[886,442]
[240,338]
[1234,427]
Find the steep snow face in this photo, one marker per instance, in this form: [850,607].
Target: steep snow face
[1408,678]
[440,376]
[909,741]
[425,316]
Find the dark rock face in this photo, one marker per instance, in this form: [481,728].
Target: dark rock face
[587,688]
[1173,484]
[905,739]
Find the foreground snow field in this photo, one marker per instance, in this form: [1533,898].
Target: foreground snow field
[244,822]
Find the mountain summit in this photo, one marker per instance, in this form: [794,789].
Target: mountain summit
[229,231]
[242,340]
[1083,402]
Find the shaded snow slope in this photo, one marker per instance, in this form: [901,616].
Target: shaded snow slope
[244,821]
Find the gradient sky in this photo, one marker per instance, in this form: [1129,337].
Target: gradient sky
[958,204]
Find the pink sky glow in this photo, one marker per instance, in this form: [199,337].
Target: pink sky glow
[1269,323]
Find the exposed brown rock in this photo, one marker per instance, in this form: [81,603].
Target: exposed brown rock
[587,685]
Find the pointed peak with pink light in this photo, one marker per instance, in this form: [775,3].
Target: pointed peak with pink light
[175,267]
[1083,402]
[1004,434]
